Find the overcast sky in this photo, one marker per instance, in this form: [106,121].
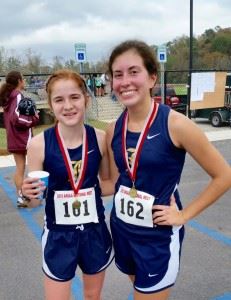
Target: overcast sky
[52,27]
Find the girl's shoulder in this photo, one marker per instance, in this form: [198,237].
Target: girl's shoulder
[100,134]
[93,131]
[110,131]
[15,93]
[37,141]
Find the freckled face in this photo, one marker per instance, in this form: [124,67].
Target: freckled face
[130,79]
[67,102]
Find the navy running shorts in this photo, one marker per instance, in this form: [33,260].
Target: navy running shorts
[89,247]
[154,262]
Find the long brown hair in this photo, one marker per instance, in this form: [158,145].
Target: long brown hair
[11,83]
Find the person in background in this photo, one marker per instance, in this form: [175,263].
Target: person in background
[98,83]
[147,147]
[17,138]
[32,81]
[103,83]
[89,82]
[75,232]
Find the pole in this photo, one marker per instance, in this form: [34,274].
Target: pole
[165,86]
[81,68]
[190,56]
[162,82]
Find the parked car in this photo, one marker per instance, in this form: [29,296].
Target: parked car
[171,99]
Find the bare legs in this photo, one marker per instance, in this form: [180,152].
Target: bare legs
[93,285]
[98,91]
[20,161]
[57,290]
[163,295]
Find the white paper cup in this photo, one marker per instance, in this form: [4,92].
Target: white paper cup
[43,176]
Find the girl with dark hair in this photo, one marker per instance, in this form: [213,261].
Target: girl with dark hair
[17,138]
[75,232]
[147,147]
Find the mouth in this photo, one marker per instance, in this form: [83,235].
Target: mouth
[69,114]
[128,93]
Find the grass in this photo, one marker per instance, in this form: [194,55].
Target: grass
[95,123]
[180,90]
[98,124]
[2,140]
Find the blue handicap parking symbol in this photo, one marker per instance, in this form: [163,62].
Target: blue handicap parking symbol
[80,56]
[162,56]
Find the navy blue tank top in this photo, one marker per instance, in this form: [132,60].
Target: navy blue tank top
[58,179]
[160,164]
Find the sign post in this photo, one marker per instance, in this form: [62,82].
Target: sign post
[162,58]
[80,54]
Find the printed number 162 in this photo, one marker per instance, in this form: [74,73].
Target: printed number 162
[129,209]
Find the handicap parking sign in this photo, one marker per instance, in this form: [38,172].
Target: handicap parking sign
[162,54]
[162,57]
[81,56]
[80,52]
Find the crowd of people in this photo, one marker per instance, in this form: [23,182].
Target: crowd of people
[139,160]
[97,84]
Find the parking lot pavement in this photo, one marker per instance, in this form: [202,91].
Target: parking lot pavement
[213,134]
[206,258]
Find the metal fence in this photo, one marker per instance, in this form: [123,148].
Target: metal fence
[104,109]
[100,110]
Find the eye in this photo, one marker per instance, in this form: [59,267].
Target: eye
[57,100]
[76,97]
[117,75]
[134,72]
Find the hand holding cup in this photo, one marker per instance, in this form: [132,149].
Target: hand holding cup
[37,184]
[32,187]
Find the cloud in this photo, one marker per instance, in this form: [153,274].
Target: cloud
[52,27]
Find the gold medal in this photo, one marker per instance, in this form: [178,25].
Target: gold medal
[75,183]
[133,166]
[133,192]
[76,204]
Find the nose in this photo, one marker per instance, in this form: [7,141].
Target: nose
[125,80]
[68,104]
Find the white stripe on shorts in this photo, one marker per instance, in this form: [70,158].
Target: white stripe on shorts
[45,267]
[173,265]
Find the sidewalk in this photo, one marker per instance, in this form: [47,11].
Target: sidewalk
[218,134]
[6,161]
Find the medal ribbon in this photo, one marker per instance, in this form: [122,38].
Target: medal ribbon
[74,184]
[149,120]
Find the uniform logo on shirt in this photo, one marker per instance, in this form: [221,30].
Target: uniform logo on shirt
[130,152]
[76,165]
[149,137]
[90,151]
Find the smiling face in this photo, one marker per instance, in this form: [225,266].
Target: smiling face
[131,81]
[68,102]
